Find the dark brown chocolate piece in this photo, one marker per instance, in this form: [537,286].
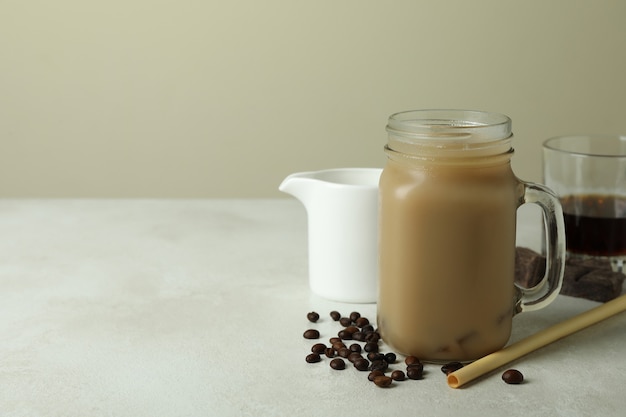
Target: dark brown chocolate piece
[592,279]
[530,267]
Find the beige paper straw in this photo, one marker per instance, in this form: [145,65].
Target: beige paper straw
[536,341]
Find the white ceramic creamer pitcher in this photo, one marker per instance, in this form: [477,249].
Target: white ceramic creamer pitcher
[342,211]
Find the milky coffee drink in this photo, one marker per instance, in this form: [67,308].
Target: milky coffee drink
[448,202]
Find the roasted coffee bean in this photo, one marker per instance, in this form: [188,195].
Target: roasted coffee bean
[390,357]
[338,346]
[414,372]
[355,347]
[313,357]
[367,328]
[367,335]
[410,360]
[351,329]
[379,365]
[311,334]
[362,322]
[374,374]
[361,364]
[372,337]
[345,321]
[354,356]
[338,364]
[383,381]
[371,347]
[344,352]
[416,365]
[375,356]
[450,367]
[358,336]
[335,315]
[313,316]
[512,376]
[334,340]
[355,315]
[330,352]
[344,335]
[318,348]
[398,375]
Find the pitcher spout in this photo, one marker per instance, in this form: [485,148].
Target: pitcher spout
[298,185]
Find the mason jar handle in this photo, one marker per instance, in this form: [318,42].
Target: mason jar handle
[549,287]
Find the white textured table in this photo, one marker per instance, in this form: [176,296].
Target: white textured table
[197,308]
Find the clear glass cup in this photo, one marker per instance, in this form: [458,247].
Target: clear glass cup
[588,173]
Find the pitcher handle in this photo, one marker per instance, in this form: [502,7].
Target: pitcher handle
[548,288]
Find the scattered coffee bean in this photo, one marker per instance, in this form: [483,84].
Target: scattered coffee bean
[361,364]
[334,340]
[512,376]
[318,348]
[371,347]
[373,337]
[338,364]
[374,374]
[355,315]
[361,322]
[354,356]
[345,335]
[450,367]
[410,360]
[367,328]
[335,315]
[379,365]
[383,381]
[390,357]
[313,357]
[398,375]
[351,329]
[330,352]
[375,356]
[313,316]
[345,321]
[358,336]
[344,352]
[355,347]
[338,345]
[415,372]
[311,334]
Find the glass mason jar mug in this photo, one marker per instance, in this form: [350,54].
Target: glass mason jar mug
[447,220]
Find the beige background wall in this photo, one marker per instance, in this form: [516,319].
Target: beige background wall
[201,98]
